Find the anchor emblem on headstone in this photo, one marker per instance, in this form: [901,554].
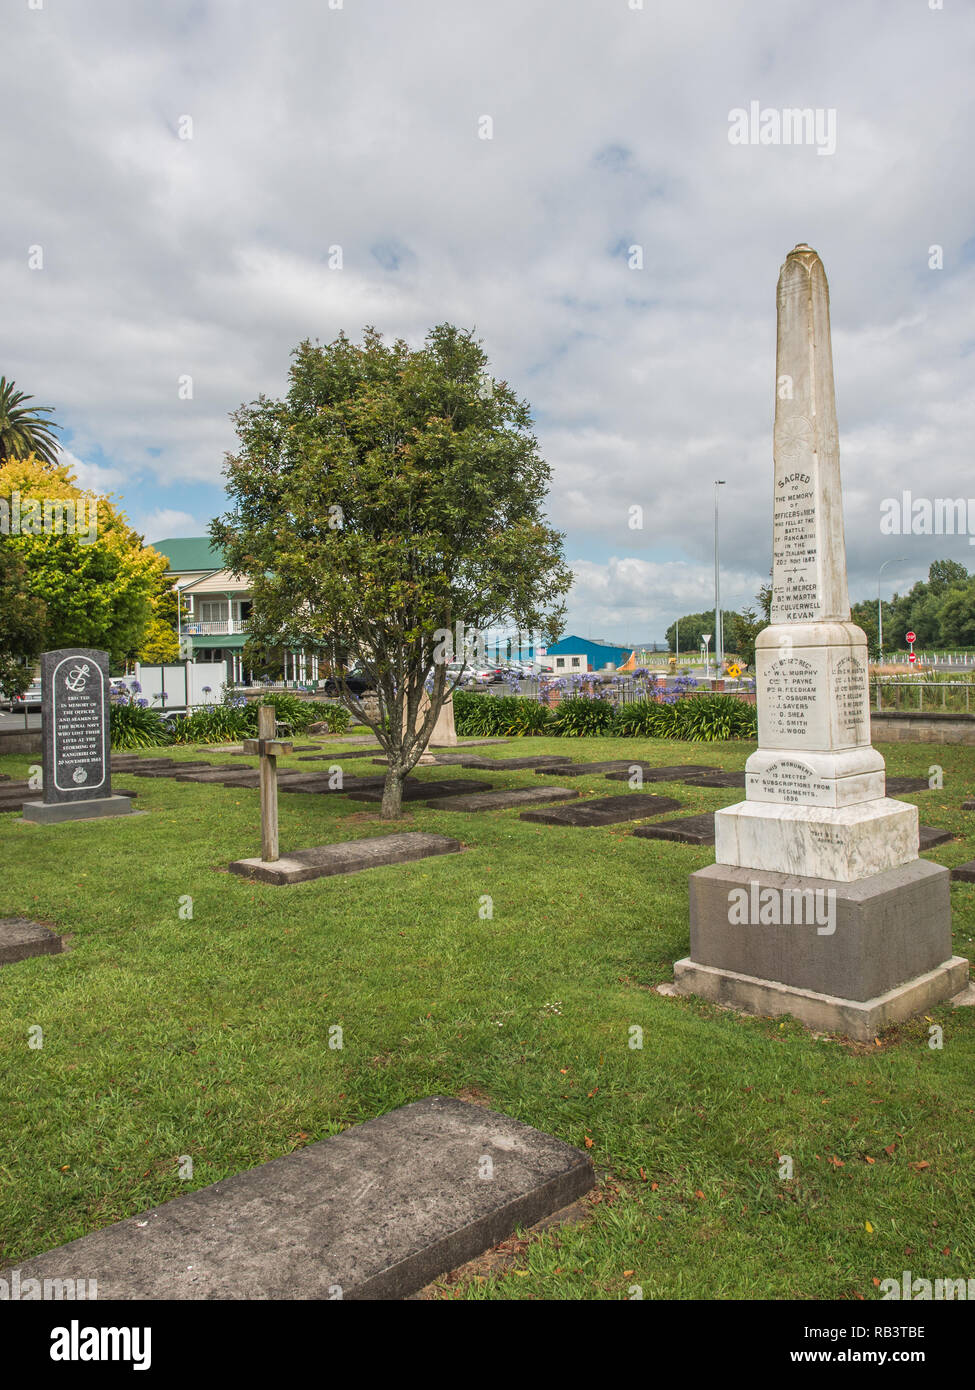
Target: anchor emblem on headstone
[77,678]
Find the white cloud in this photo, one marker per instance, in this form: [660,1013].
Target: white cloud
[358,127]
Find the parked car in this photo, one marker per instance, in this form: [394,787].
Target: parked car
[356,681]
[31,699]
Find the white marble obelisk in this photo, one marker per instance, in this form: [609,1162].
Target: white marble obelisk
[815,800]
[817,904]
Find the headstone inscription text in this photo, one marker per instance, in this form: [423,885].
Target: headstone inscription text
[791,695]
[795,549]
[852,699]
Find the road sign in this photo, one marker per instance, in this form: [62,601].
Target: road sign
[912,656]
[911,637]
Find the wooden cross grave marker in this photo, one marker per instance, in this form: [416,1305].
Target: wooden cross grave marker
[270,749]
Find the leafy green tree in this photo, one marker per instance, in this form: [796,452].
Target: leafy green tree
[96,580]
[23,429]
[393,495]
[749,625]
[957,616]
[864,614]
[23,618]
[944,575]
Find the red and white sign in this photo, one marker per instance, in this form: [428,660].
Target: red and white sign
[912,656]
[911,638]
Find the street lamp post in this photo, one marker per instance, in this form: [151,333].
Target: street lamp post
[718,625]
[898,560]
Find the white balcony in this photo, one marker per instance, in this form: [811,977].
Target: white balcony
[215,629]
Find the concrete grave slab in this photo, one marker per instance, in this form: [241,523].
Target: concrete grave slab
[20,939]
[660,774]
[688,830]
[346,857]
[471,760]
[928,836]
[717,779]
[605,810]
[336,757]
[586,769]
[128,764]
[897,786]
[502,800]
[375,1212]
[422,791]
[472,742]
[320,783]
[964,873]
[169,770]
[249,778]
[212,774]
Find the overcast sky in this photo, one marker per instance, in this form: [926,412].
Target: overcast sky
[360,126]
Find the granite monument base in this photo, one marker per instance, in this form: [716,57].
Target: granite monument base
[841,957]
[843,843]
[55,812]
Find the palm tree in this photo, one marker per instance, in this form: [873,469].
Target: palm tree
[23,431]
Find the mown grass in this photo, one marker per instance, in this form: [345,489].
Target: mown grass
[209,1037]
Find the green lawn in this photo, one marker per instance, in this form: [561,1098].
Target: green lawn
[209,1037]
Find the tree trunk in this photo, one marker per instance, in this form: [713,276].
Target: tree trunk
[393,792]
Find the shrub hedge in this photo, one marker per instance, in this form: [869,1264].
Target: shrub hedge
[699,719]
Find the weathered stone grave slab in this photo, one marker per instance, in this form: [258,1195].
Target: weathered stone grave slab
[586,769]
[502,800]
[661,774]
[324,741]
[964,873]
[297,748]
[897,786]
[471,760]
[376,1212]
[20,939]
[336,757]
[929,836]
[605,810]
[688,830]
[475,742]
[320,783]
[347,857]
[421,791]
[968,805]
[127,763]
[169,769]
[717,779]
[210,773]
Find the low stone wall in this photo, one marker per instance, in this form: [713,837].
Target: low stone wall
[20,741]
[897,726]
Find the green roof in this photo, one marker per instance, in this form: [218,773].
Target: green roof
[186,553]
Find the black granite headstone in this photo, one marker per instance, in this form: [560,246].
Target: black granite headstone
[76,735]
[77,740]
